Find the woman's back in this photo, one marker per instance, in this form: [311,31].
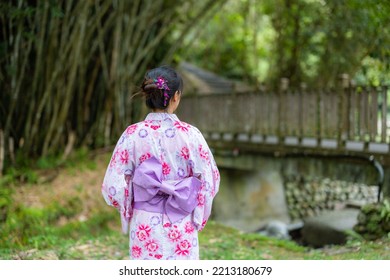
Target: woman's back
[162,178]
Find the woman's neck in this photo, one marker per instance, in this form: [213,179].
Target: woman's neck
[162,111]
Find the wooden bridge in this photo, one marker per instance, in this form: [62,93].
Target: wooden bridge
[348,120]
[268,145]
[294,154]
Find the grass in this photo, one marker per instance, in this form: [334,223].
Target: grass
[66,218]
[217,242]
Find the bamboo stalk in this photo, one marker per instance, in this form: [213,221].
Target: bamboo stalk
[11,148]
[69,145]
[64,110]
[64,50]
[35,115]
[2,152]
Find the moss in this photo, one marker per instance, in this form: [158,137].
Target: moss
[374,220]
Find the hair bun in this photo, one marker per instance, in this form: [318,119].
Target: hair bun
[150,87]
[159,85]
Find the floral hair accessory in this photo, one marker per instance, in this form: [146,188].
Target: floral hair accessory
[161,83]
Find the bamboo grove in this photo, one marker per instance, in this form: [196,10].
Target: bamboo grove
[68,68]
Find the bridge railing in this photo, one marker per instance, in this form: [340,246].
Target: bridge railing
[347,117]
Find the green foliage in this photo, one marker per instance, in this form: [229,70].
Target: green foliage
[374,220]
[28,172]
[242,39]
[5,198]
[306,41]
[48,162]
[38,228]
[81,159]
[19,175]
[68,69]
[385,211]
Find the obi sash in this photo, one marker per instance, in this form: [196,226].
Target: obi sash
[175,198]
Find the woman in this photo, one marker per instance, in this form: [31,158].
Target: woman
[162,176]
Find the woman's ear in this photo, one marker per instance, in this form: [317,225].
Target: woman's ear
[176,96]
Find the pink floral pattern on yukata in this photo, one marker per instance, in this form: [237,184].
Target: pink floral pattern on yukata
[183,152]
[162,240]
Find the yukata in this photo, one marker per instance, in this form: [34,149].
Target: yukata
[162,178]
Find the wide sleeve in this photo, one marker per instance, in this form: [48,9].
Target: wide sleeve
[116,187]
[205,168]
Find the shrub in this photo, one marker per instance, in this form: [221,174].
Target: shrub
[374,220]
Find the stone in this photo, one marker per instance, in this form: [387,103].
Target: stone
[249,199]
[277,229]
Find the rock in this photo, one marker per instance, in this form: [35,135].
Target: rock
[35,254]
[276,229]
[49,255]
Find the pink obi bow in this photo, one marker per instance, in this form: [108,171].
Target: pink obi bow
[175,198]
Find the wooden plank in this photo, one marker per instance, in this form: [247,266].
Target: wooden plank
[363,114]
[321,113]
[331,113]
[353,114]
[280,121]
[273,120]
[358,96]
[305,115]
[300,113]
[347,113]
[317,115]
[310,114]
[261,102]
[384,114]
[260,113]
[226,113]
[373,114]
[313,114]
[292,117]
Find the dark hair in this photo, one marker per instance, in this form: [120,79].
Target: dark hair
[154,95]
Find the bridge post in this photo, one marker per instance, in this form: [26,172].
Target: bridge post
[384,115]
[283,87]
[302,92]
[342,134]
